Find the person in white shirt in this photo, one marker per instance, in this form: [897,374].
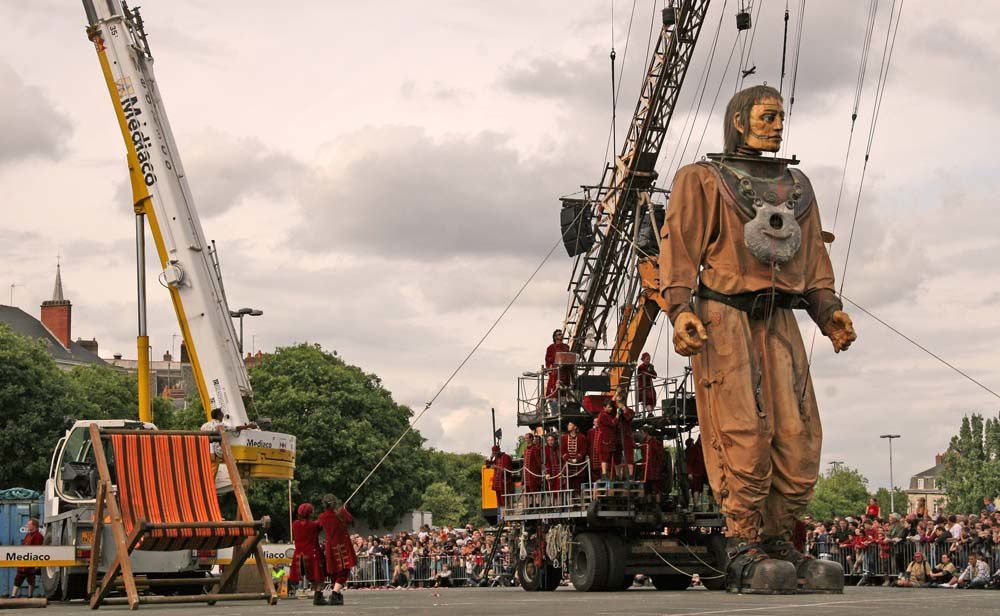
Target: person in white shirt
[976,575]
[215,424]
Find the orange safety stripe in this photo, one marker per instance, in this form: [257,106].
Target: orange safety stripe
[164,478]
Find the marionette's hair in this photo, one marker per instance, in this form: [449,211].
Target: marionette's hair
[740,103]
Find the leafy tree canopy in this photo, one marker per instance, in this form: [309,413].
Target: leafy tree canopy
[344,421]
[447,507]
[972,463]
[841,491]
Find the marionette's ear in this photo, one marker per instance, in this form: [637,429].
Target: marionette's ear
[738,122]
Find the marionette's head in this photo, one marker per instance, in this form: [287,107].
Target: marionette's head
[754,121]
[305,511]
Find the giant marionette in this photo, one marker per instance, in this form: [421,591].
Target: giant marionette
[741,248]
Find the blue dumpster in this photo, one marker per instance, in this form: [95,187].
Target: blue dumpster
[16,506]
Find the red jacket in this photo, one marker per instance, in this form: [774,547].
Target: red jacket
[306,558]
[553,464]
[503,481]
[607,436]
[652,460]
[550,363]
[338,549]
[532,470]
[627,440]
[647,393]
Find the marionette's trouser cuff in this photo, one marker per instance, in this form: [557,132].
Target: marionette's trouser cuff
[761,445]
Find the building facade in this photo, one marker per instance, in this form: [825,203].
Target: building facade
[925,485]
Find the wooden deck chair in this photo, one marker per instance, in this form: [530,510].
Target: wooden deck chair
[159,494]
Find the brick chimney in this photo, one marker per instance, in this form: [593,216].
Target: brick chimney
[938,459]
[57,313]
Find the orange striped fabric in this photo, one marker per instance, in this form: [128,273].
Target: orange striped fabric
[168,478]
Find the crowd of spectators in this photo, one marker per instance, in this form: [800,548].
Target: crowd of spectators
[918,549]
[442,557]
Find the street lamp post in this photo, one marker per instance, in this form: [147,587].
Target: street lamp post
[239,314]
[892,485]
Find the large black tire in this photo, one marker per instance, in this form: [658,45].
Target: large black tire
[589,571]
[715,580]
[670,581]
[616,560]
[553,575]
[529,575]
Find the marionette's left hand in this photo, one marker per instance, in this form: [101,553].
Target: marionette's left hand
[840,331]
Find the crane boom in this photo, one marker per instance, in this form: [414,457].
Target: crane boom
[160,191]
[605,274]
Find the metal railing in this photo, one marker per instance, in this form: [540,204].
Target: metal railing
[877,562]
[378,571]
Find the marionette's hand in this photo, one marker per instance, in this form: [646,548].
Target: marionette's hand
[840,331]
[689,334]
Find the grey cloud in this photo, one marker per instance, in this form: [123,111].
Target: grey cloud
[30,123]
[407,195]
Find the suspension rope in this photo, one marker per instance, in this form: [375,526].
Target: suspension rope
[702,84]
[883,77]
[795,72]
[919,346]
[784,52]
[462,364]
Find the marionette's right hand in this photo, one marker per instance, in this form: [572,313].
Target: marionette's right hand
[689,334]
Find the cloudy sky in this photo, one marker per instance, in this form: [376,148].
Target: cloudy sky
[381,178]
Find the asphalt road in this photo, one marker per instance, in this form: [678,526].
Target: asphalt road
[516,602]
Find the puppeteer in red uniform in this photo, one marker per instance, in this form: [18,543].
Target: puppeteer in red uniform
[554,375]
[503,480]
[553,463]
[575,449]
[607,438]
[694,458]
[652,464]
[338,549]
[626,440]
[645,373]
[306,559]
[532,470]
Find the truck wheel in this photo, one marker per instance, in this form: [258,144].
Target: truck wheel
[616,560]
[553,575]
[589,571]
[670,582]
[52,577]
[530,575]
[713,580]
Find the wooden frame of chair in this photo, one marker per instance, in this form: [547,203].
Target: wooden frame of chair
[107,506]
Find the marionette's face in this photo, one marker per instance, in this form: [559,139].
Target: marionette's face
[765,125]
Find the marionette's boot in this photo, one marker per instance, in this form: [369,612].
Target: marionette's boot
[752,571]
[336,598]
[815,576]
[318,598]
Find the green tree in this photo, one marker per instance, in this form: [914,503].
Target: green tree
[882,496]
[463,472]
[972,463]
[446,505]
[35,400]
[344,421]
[102,392]
[841,491]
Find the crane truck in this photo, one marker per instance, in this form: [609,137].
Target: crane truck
[191,274]
[608,532]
